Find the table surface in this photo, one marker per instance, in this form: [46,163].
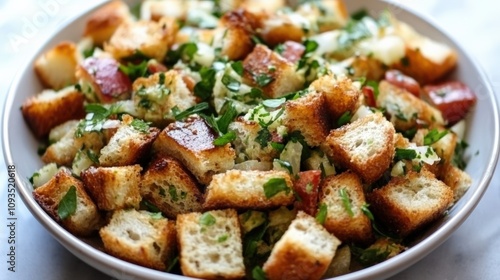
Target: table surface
[472,252]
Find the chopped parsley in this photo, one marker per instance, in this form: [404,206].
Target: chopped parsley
[275,186]
[173,193]
[67,205]
[408,154]
[231,83]
[263,137]
[346,201]
[134,71]
[344,119]
[367,212]
[238,67]
[258,273]
[263,79]
[458,156]
[203,89]
[207,219]
[180,115]
[285,164]
[140,125]
[433,136]
[225,139]
[222,238]
[322,213]
[97,115]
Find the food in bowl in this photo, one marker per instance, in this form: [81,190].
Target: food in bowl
[226,141]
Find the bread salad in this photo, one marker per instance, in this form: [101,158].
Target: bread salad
[249,139]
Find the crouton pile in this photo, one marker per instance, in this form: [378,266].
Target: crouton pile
[246,139]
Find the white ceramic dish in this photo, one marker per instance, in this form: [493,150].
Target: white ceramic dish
[483,136]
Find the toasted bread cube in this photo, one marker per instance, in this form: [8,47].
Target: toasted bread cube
[340,93]
[346,222]
[246,145]
[114,188]
[425,59]
[274,74]
[308,115]
[85,220]
[279,28]
[366,146]
[155,101]
[303,252]
[102,23]
[170,187]
[140,237]
[210,245]
[249,189]
[156,9]
[128,145]
[405,109]
[102,81]
[408,203]
[262,6]
[191,142]
[56,67]
[50,109]
[152,39]
[458,180]
[234,34]
[64,151]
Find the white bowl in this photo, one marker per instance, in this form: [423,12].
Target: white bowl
[20,148]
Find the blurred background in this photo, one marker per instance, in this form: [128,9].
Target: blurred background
[470,253]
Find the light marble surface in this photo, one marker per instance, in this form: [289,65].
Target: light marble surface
[472,252]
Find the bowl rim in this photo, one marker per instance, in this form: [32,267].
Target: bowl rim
[107,263]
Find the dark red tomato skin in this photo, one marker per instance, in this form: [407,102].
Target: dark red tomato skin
[308,194]
[454,99]
[369,94]
[155,67]
[292,51]
[397,78]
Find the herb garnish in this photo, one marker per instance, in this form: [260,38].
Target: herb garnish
[180,115]
[275,186]
[67,205]
[207,219]
[433,136]
[346,201]
[405,154]
[322,213]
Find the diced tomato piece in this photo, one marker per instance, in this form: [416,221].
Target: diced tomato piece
[110,84]
[292,51]
[307,188]
[454,99]
[190,82]
[400,80]
[369,94]
[155,67]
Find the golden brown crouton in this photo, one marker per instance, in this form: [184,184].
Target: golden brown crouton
[329,14]
[102,23]
[259,6]
[303,252]
[140,237]
[191,142]
[282,27]
[154,100]
[249,189]
[210,245]
[170,187]
[458,180]
[344,198]
[234,35]
[246,145]
[366,146]
[114,188]
[50,109]
[271,72]
[64,151]
[408,203]
[85,219]
[128,145]
[308,115]
[152,39]
[406,110]
[56,67]
[101,80]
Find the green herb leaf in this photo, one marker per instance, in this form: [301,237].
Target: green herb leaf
[207,219]
[224,139]
[374,86]
[156,216]
[190,111]
[31,179]
[408,154]
[184,52]
[227,114]
[173,193]
[346,201]
[458,156]
[134,71]
[433,136]
[275,186]
[88,52]
[140,125]
[231,83]
[172,263]
[285,164]
[146,204]
[204,88]
[222,238]
[322,213]
[274,103]
[345,118]
[359,14]
[258,273]
[310,46]
[93,156]
[238,67]
[367,212]
[67,205]
[263,137]
[263,79]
